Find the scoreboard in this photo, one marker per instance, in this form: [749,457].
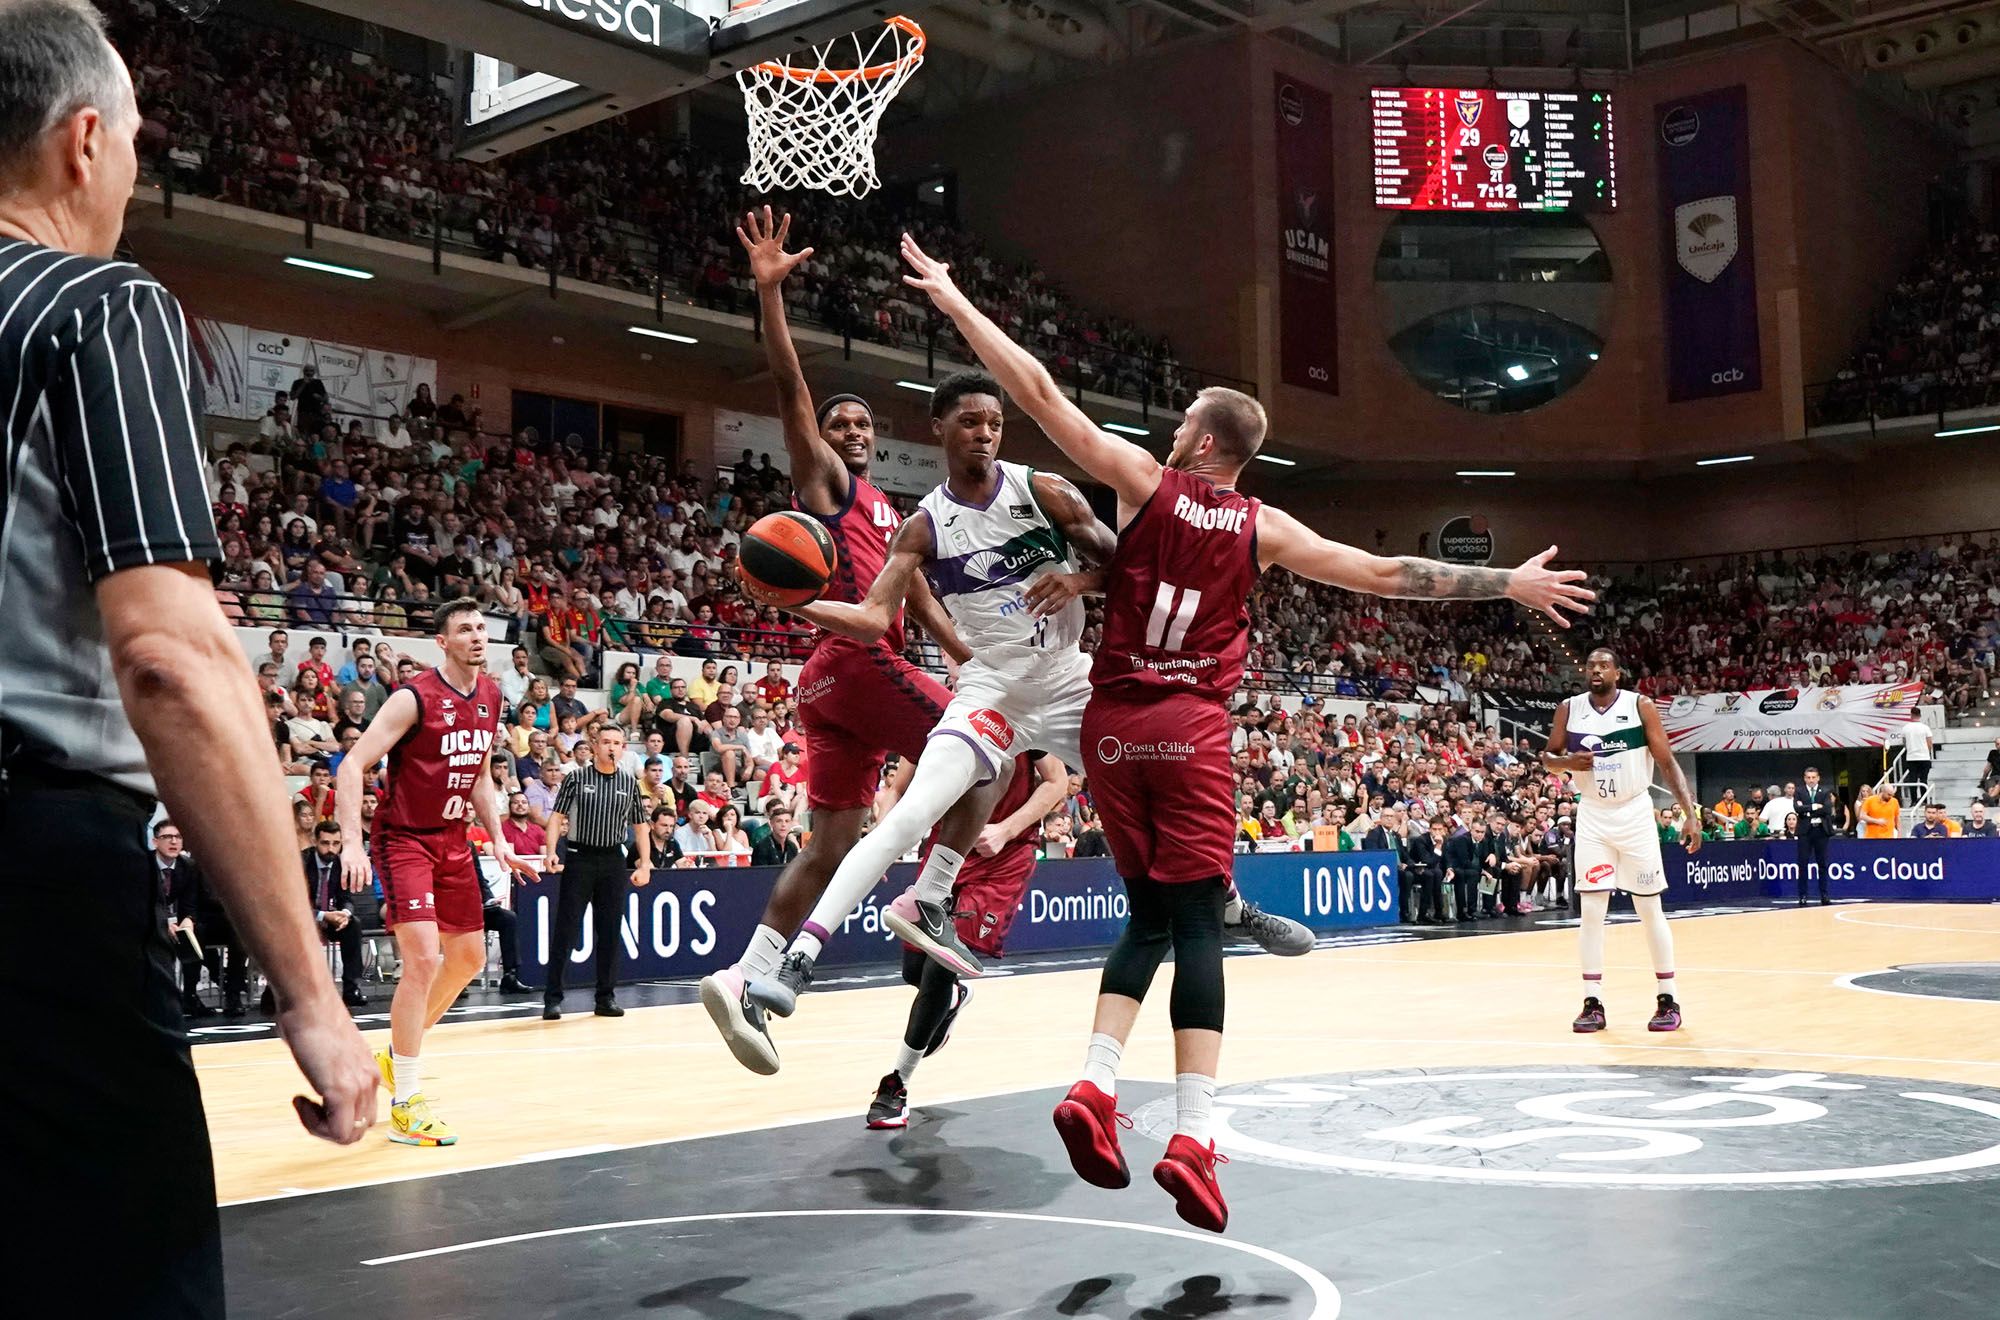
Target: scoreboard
[1443,149]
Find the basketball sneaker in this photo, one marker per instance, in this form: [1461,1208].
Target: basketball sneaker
[1592,1017]
[935,935]
[903,905]
[1667,1017]
[779,993]
[740,1021]
[961,996]
[1268,931]
[1088,1120]
[892,1104]
[387,1067]
[1188,1173]
[413,1124]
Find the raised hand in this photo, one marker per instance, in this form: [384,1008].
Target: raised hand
[1551,591]
[765,242]
[929,274]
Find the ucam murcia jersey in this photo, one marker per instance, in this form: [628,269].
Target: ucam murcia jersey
[985,555]
[433,768]
[1622,768]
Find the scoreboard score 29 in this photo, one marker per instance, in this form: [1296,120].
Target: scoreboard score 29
[1445,149]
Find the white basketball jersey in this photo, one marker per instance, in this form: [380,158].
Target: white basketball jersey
[986,555]
[1622,771]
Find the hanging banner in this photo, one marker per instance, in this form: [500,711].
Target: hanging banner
[246,369]
[899,466]
[1308,329]
[1779,719]
[1703,145]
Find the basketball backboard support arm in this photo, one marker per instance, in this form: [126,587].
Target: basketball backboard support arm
[533,69]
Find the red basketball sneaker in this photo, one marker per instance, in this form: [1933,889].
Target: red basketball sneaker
[1188,1174]
[1088,1121]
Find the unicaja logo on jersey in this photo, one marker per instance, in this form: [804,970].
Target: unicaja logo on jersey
[1209,519]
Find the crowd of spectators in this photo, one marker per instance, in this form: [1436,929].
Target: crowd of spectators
[1918,612]
[1933,345]
[264,118]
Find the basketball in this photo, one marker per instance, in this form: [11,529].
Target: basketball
[787,558]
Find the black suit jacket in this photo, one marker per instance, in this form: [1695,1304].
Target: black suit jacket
[180,895]
[1424,858]
[1461,856]
[1818,813]
[1380,840]
[338,899]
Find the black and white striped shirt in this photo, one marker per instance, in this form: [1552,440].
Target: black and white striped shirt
[100,416]
[600,808]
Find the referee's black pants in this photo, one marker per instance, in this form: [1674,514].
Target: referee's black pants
[102,1140]
[1812,849]
[593,878]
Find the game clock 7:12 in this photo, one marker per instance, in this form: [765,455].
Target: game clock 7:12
[1483,149]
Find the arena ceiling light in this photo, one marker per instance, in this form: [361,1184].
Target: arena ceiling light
[667,335]
[1967,430]
[1281,462]
[1486,472]
[328,268]
[1123,429]
[919,386]
[1740,458]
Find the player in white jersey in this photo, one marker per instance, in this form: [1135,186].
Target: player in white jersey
[981,539]
[1616,739]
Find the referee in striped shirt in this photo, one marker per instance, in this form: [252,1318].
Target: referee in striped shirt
[599,806]
[120,682]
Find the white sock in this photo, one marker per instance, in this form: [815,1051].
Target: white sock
[1100,1064]
[1659,937]
[761,955]
[1232,909]
[809,944]
[907,1060]
[409,1073]
[940,873]
[1596,907]
[1194,1099]
[949,769]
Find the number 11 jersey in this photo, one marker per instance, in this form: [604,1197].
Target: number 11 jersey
[1177,599]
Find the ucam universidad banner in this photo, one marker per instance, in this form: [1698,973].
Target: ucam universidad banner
[689,922]
[1308,326]
[1800,719]
[1703,146]
[1904,870]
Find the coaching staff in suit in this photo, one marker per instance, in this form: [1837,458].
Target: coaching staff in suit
[119,682]
[1819,816]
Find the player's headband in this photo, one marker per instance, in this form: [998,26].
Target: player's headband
[827,406]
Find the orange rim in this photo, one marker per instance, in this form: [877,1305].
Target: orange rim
[870,72]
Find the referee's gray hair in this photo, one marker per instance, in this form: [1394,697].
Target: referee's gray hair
[54,61]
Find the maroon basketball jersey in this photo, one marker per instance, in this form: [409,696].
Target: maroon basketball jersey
[433,768]
[862,530]
[1177,608]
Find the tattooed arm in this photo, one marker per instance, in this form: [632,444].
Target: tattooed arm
[1283,540]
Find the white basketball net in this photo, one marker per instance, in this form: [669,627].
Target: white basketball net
[813,116]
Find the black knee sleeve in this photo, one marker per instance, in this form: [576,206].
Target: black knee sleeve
[1148,934]
[936,990]
[1197,939]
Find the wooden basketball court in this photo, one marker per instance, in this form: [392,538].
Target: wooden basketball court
[1772,1008]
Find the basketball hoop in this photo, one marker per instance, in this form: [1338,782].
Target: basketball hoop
[813,116]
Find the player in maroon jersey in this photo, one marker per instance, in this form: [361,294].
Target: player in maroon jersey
[856,703]
[988,891]
[1156,732]
[437,732]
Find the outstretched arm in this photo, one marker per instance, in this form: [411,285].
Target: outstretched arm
[1663,756]
[1129,470]
[819,478]
[870,620]
[1284,540]
[932,617]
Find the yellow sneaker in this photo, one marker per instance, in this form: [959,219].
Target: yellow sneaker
[385,1066]
[413,1124]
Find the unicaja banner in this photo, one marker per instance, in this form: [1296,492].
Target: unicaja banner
[1308,329]
[1777,719]
[1703,146]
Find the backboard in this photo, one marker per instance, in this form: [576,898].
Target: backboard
[528,70]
